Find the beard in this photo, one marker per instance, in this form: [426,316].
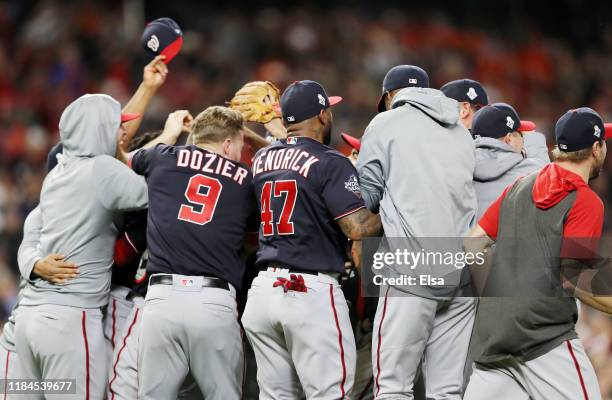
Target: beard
[327,134]
[596,170]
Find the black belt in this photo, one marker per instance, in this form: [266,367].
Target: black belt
[207,281]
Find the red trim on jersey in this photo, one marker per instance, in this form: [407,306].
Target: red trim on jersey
[333,305]
[582,385]
[84,326]
[348,213]
[382,319]
[114,322]
[129,332]
[6,367]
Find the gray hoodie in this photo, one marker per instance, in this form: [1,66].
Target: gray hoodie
[77,203]
[416,165]
[498,165]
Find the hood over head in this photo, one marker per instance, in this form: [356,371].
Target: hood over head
[493,159]
[552,184]
[432,102]
[89,126]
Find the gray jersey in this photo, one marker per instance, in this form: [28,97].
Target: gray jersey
[77,202]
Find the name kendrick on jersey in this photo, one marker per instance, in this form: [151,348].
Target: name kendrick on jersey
[211,163]
[296,160]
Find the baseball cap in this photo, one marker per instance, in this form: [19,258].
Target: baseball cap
[125,117]
[578,129]
[351,141]
[497,120]
[163,36]
[305,99]
[402,76]
[466,90]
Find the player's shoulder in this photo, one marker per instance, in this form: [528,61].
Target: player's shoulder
[586,197]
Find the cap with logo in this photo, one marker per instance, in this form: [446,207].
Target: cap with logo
[466,90]
[402,76]
[578,129]
[305,99]
[163,36]
[351,141]
[497,120]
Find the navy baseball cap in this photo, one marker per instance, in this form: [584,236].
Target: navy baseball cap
[497,120]
[578,129]
[466,90]
[305,99]
[402,76]
[163,36]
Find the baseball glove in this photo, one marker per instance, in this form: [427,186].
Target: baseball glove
[257,101]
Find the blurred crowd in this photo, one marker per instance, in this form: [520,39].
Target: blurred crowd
[53,51]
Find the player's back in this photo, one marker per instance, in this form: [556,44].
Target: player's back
[199,205]
[302,188]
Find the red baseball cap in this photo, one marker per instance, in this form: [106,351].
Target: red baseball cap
[125,117]
[351,141]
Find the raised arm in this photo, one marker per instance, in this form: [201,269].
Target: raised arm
[153,77]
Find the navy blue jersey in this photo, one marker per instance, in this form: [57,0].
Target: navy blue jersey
[200,205]
[302,188]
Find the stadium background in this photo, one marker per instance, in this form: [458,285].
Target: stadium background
[542,57]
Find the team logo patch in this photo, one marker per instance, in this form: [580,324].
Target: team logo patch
[472,93]
[597,131]
[153,43]
[290,118]
[412,81]
[352,185]
[186,282]
[291,140]
[509,122]
[563,146]
[321,99]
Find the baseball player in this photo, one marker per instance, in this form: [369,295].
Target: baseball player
[525,344]
[500,151]
[470,95]
[59,327]
[201,200]
[296,317]
[416,165]
[123,380]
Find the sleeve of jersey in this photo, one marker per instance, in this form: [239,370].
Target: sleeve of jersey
[340,188]
[583,226]
[489,221]
[141,160]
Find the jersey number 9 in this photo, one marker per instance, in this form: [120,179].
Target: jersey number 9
[207,202]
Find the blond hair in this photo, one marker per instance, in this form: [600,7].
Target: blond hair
[571,156]
[215,124]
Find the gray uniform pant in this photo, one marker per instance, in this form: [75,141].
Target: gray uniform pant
[62,342]
[190,328]
[410,329]
[300,338]
[564,373]
[123,381]
[9,369]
